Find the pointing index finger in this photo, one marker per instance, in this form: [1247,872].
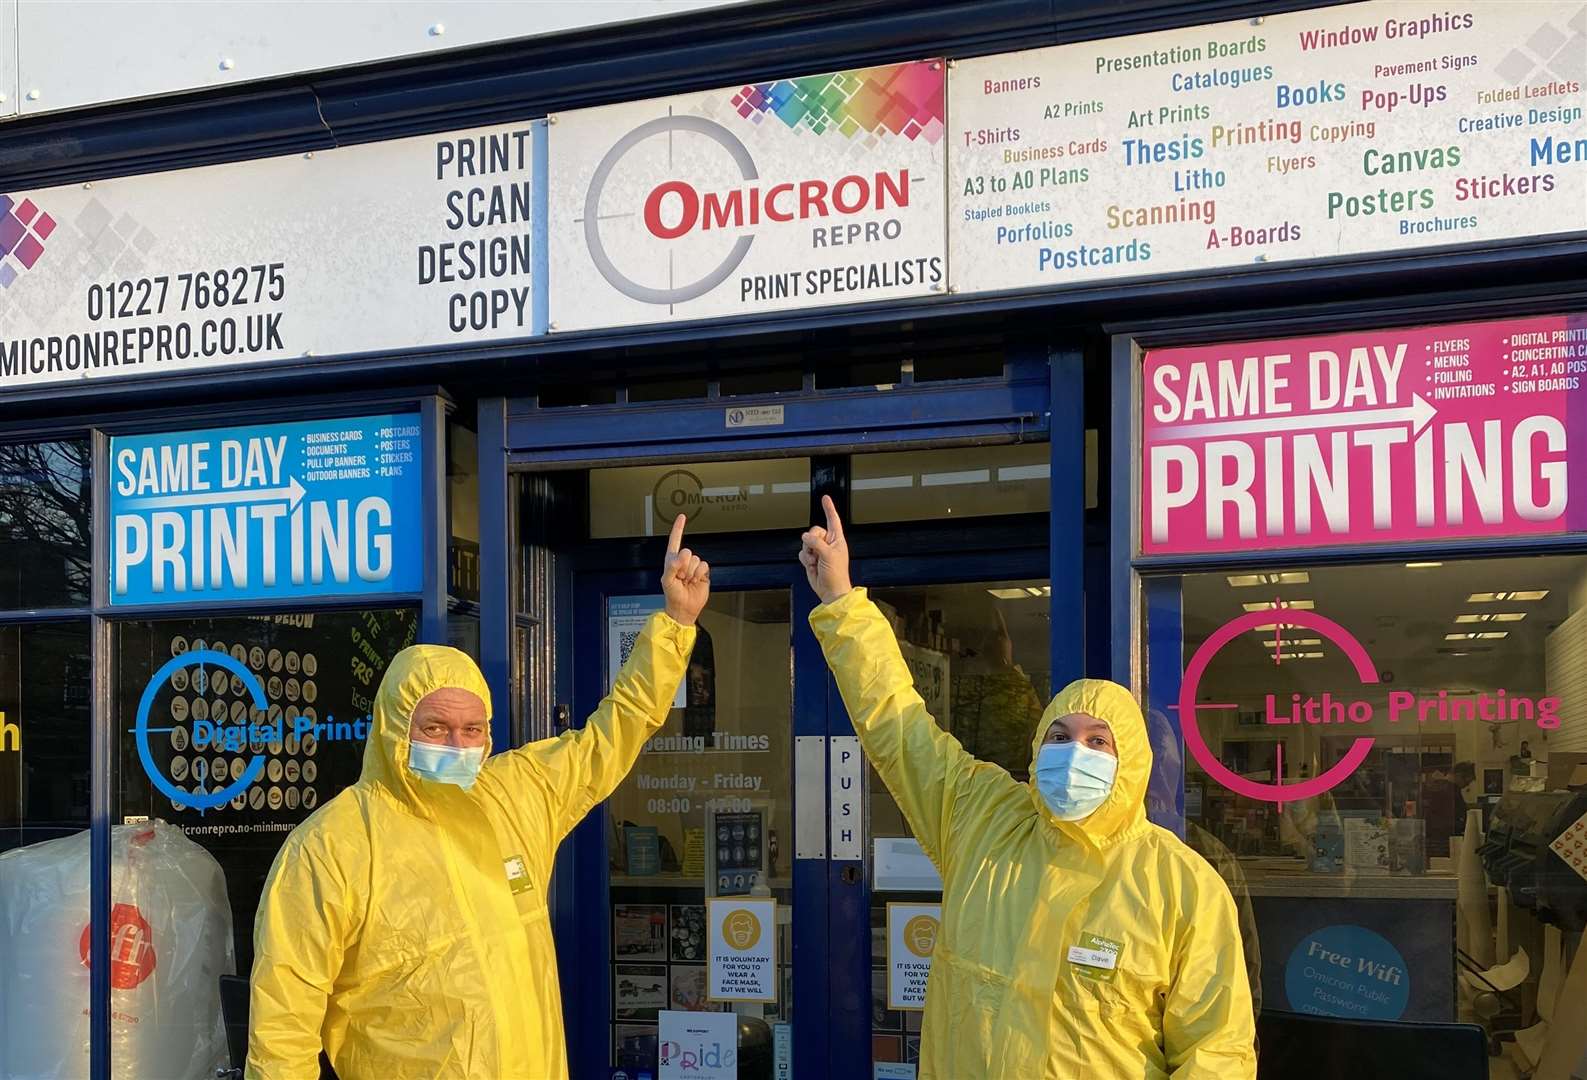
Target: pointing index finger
[834,523]
[675,541]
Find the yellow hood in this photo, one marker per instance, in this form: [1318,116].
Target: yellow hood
[1123,813]
[415,672]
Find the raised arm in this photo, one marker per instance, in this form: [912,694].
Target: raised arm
[926,769]
[581,768]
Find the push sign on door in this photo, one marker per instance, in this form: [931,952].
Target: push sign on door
[324,507]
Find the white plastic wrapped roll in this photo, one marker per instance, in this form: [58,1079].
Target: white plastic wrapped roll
[171,940]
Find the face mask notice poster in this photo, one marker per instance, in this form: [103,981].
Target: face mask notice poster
[234,774]
[1335,131]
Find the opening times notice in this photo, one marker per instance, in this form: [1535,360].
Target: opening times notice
[1352,129]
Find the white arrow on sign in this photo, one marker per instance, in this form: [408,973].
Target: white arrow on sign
[293,494]
[1417,414]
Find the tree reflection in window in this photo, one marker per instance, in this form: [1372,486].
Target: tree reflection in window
[46,502]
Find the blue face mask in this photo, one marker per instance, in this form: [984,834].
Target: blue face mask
[1074,780]
[446,764]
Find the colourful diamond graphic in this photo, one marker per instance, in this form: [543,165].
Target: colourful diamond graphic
[17,241]
[899,99]
[28,251]
[11,231]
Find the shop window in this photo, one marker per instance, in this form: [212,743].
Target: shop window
[986,363]
[785,380]
[45,514]
[574,395]
[44,815]
[667,390]
[718,496]
[971,481]
[1353,731]
[883,372]
[44,725]
[184,789]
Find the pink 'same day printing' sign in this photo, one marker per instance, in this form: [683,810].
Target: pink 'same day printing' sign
[1369,436]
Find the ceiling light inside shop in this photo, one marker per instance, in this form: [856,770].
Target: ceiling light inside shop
[1422,565]
[1481,635]
[1494,597]
[1009,594]
[1288,577]
[1498,616]
[1300,656]
[1270,605]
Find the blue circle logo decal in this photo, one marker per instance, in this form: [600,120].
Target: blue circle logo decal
[200,799]
[1347,971]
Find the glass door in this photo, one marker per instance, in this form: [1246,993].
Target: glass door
[981,658]
[699,840]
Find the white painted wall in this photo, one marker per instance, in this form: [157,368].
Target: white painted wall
[65,54]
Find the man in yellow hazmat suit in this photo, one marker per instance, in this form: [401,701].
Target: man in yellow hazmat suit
[1078,939]
[404,925]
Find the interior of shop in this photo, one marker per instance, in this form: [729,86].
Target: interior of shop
[1438,840]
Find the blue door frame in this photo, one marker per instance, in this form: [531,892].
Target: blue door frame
[832,898]
[831,935]
[583,926]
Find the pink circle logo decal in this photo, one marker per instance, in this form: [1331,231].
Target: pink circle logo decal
[1275,793]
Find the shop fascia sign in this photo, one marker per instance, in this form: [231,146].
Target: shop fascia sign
[391,246]
[796,192]
[1366,436]
[1333,714]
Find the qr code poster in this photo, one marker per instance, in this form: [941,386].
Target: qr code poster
[1571,845]
[625,618]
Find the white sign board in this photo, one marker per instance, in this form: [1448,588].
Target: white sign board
[846,774]
[158,47]
[697,1045]
[743,957]
[390,246]
[900,864]
[626,616]
[1334,131]
[793,193]
[912,931]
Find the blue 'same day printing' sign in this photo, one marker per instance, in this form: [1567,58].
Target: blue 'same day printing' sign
[320,508]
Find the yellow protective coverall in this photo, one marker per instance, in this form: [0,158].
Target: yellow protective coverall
[404,925]
[1022,888]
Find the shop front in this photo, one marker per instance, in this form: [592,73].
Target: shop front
[1355,588]
[1237,362]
